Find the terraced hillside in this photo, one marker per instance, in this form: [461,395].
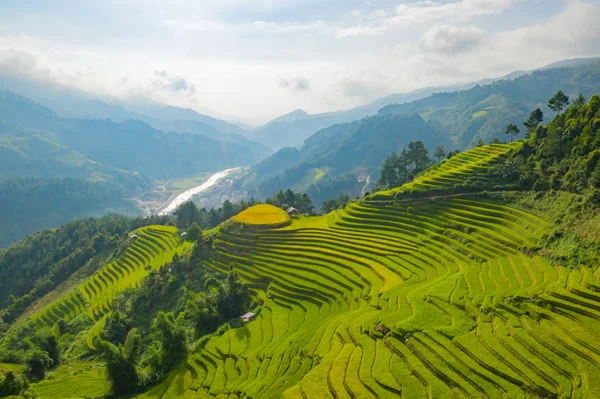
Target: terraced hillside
[453,172]
[380,299]
[148,248]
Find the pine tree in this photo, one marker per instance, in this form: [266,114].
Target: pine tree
[558,102]
[439,153]
[580,100]
[535,118]
[512,130]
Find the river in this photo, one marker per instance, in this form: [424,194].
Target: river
[186,195]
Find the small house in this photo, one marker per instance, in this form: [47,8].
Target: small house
[248,317]
[133,236]
[293,211]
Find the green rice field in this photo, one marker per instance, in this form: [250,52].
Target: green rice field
[433,299]
[425,298]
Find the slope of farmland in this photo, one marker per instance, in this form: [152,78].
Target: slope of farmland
[424,296]
[431,298]
[148,249]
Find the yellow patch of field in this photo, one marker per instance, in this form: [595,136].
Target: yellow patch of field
[263,215]
[319,174]
[479,114]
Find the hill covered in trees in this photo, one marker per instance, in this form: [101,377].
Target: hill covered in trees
[92,167]
[477,278]
[331,159]
[457,120]
[130,145]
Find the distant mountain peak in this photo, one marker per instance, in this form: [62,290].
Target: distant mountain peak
[291,116]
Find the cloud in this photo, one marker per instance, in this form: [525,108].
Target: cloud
[173,83]
[451,39]
[295,84]
[429,11]
[420,12]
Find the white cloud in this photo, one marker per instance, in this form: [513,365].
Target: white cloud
[295,84]
[421,12]
[451,39]
[430,11]
[173,83]
[259,66]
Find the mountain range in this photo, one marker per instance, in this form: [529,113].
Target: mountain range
[61,132]
[457,120]
[95,166]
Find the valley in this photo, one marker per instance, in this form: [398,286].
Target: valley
[186,195]
[443,242]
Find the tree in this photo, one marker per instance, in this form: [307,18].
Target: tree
[194,233]
[170,337]
[186,214]
[512,130]
[558,102]
[452,153]
[47,341]
[38,362]
[579,101]
[122,362]
[439,153]
[116,328]
[535,118]
[480,143]
[285,199]
[228,209]
[418,156]
[12,384]
[200,311]
[334,203]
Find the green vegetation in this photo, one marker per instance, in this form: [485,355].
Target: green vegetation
[188,214]
[131,145]
[189,182]
[30,206]
[344,151]
[300,201]
[91,167]
[472,280]
[461,119]
[39,263]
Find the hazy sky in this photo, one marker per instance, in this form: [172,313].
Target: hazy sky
[258,59]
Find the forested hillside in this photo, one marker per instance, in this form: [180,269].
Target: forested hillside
[331,159]
[32,205]
[478,278]
[130,145]
[93,167]
[461,118]
[484,111]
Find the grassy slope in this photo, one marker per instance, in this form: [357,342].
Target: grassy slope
[422,298]
[153,247]
[428,299]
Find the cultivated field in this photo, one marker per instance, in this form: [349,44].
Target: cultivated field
[263,215]
[428,299]
[148,248]
[422,298]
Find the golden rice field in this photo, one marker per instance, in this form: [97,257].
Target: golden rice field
[263,215]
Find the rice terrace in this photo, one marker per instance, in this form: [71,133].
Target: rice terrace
[401,294]
[476,277]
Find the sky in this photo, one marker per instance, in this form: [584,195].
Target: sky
[259,59]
